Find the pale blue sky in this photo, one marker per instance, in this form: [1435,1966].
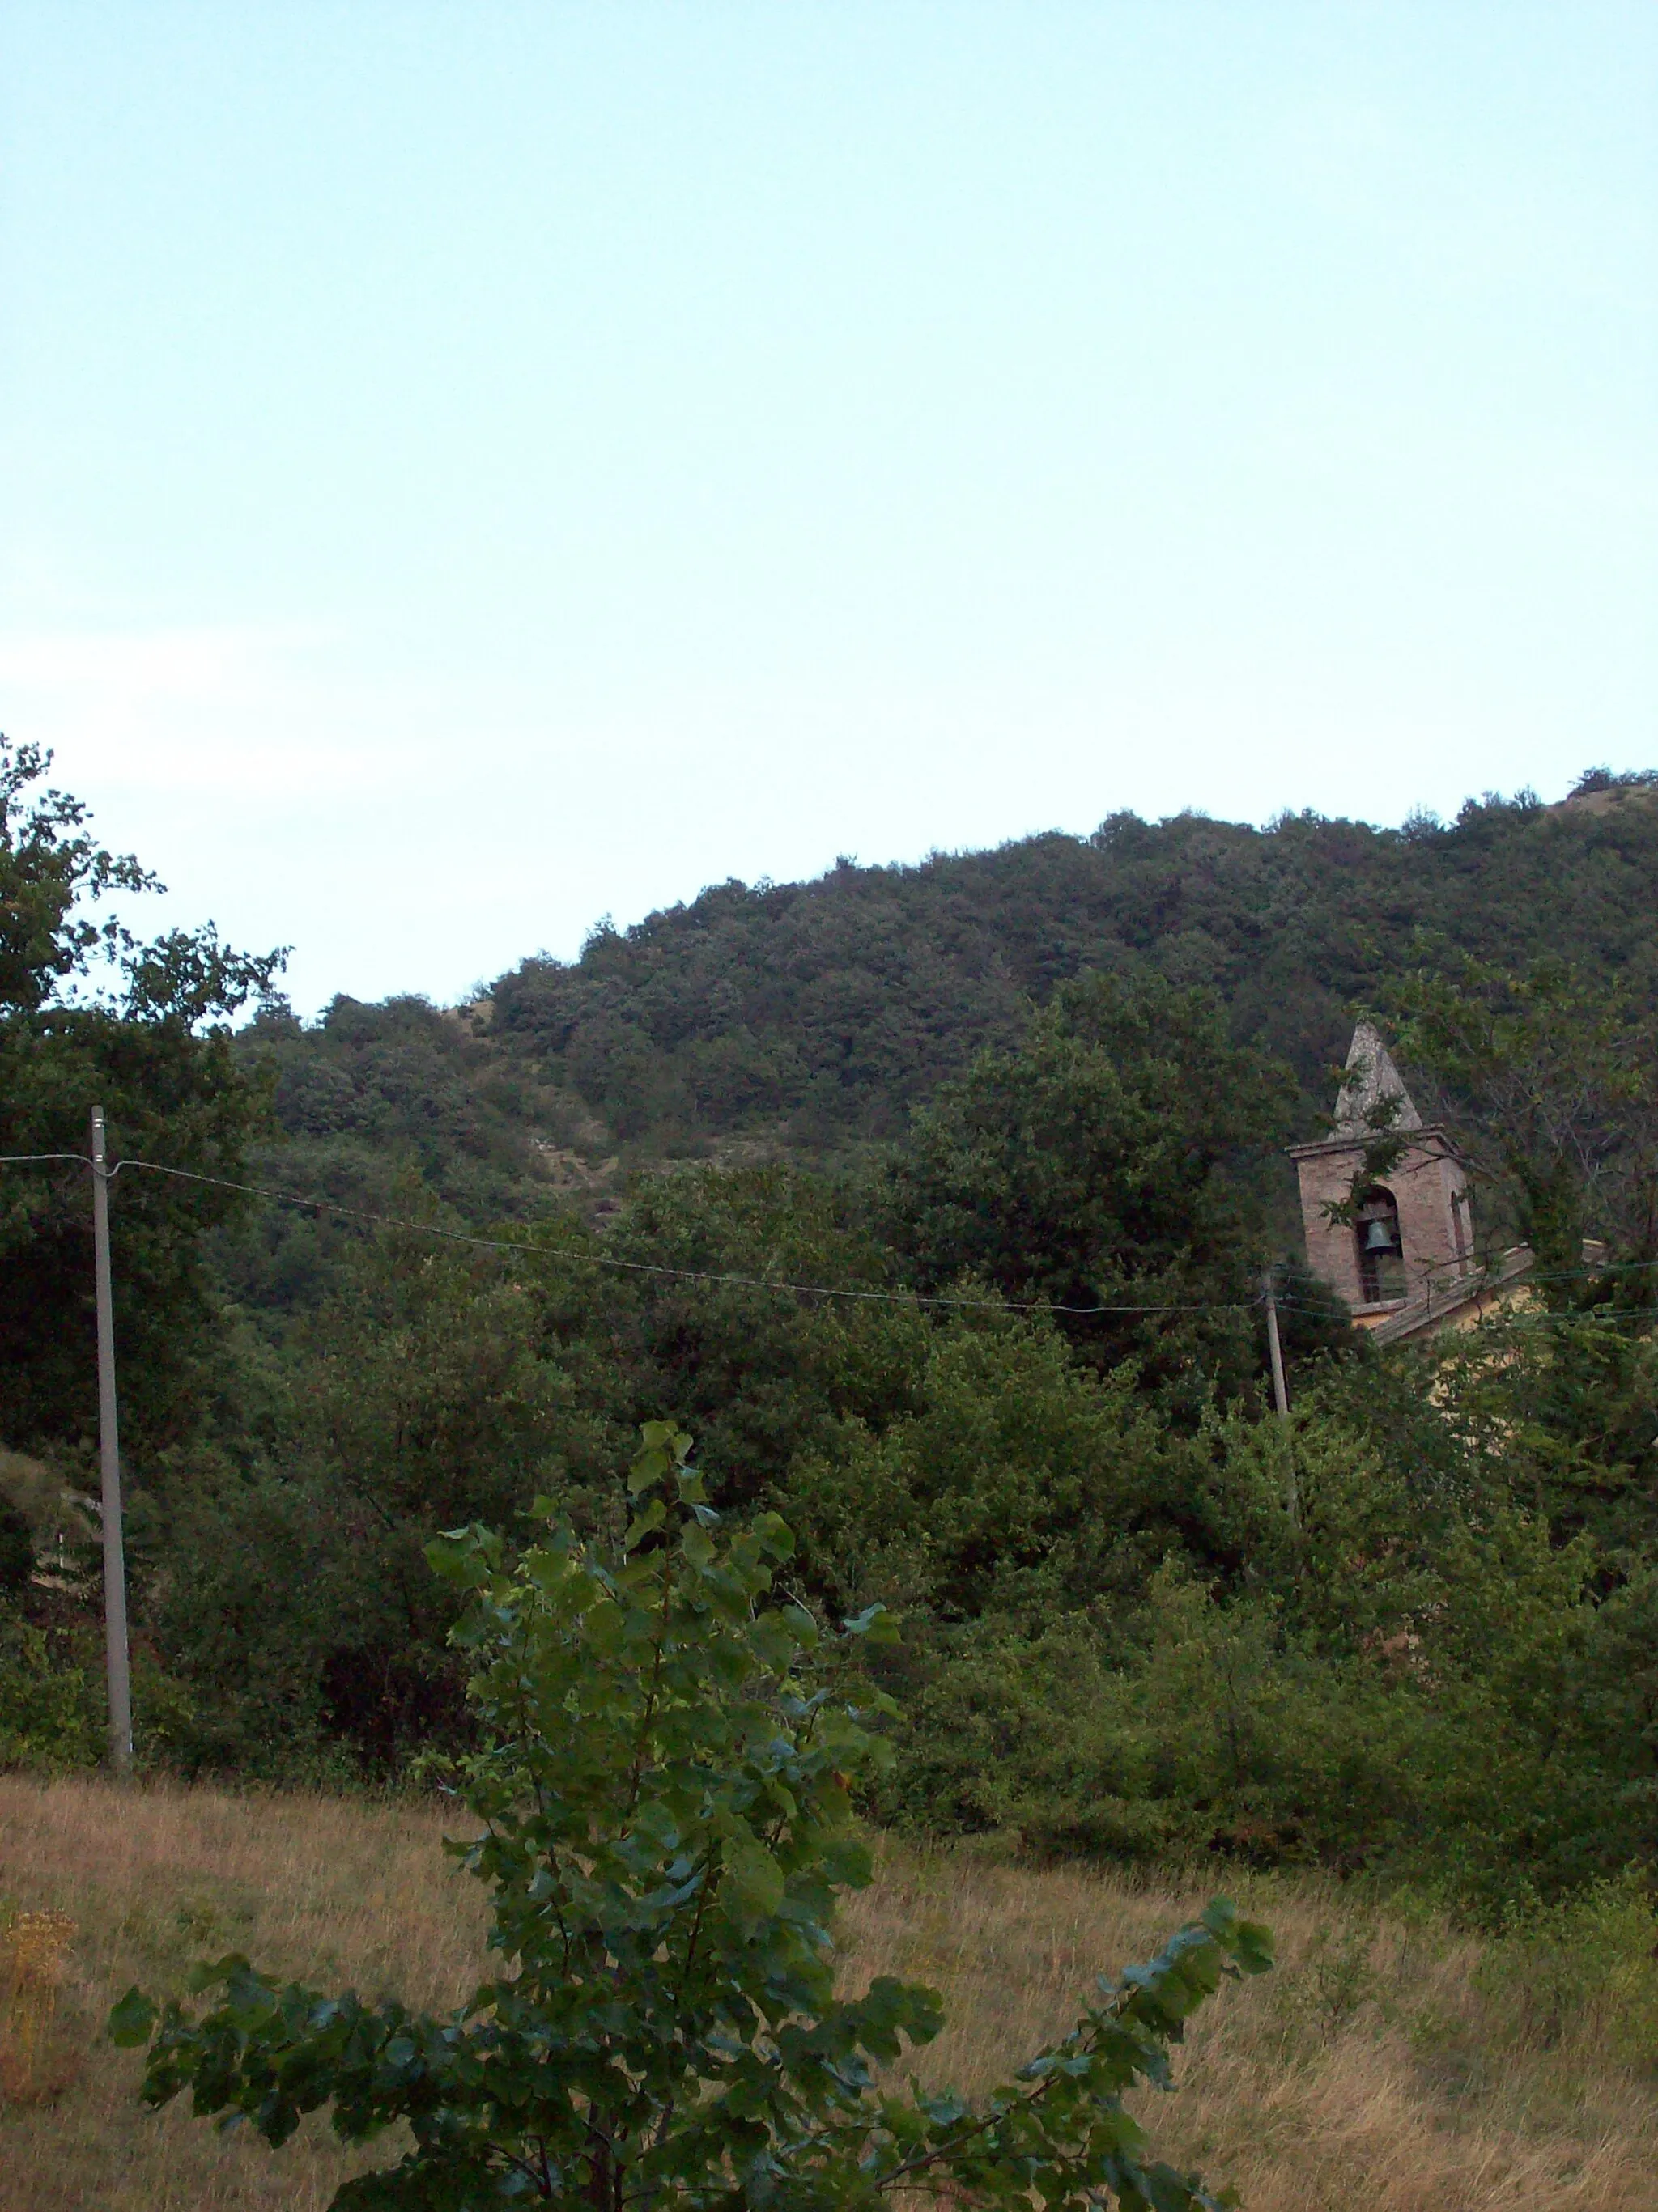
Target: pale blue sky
[468,468]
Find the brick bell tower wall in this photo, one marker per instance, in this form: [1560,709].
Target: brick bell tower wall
[1431,1190]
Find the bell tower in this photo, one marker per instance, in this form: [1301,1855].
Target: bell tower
[1411,1240]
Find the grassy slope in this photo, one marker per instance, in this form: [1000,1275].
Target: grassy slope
[1371,2069]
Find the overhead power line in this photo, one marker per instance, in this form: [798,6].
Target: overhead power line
[1287,1302]
[630,1266]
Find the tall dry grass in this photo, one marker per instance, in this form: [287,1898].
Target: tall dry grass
[157,1879]
[1385,2064]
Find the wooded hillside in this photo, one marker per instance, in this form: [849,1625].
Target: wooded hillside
[813,1017]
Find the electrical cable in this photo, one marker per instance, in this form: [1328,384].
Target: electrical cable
[628,1266]
[1287,1302]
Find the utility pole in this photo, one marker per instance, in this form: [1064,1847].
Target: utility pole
[117,1665]
[1280,1395]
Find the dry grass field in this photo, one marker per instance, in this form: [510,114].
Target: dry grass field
[1389,2063]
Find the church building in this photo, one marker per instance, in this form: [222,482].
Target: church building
[1404,1263]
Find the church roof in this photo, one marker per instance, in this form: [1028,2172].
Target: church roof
[1370,1080]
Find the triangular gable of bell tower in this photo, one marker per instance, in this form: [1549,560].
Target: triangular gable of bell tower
[1369,1082]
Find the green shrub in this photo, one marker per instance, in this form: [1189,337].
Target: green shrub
[1582,1972]
[1024,1485]
[665,1797]
[1212,1730]
[51,1714]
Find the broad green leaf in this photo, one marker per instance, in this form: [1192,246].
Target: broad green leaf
[774,1535]
[751,1885]
[874,1622]
[132,2018]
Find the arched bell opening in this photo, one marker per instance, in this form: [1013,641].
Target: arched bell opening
[1380,1248]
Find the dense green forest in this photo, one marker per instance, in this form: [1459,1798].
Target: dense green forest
[933,1202]
[808,1020]
[822,1013]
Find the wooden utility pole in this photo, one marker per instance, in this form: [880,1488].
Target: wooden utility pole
[117,1662]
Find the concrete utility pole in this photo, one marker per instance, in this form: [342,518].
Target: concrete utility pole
[1280,1396]
[117,1665]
